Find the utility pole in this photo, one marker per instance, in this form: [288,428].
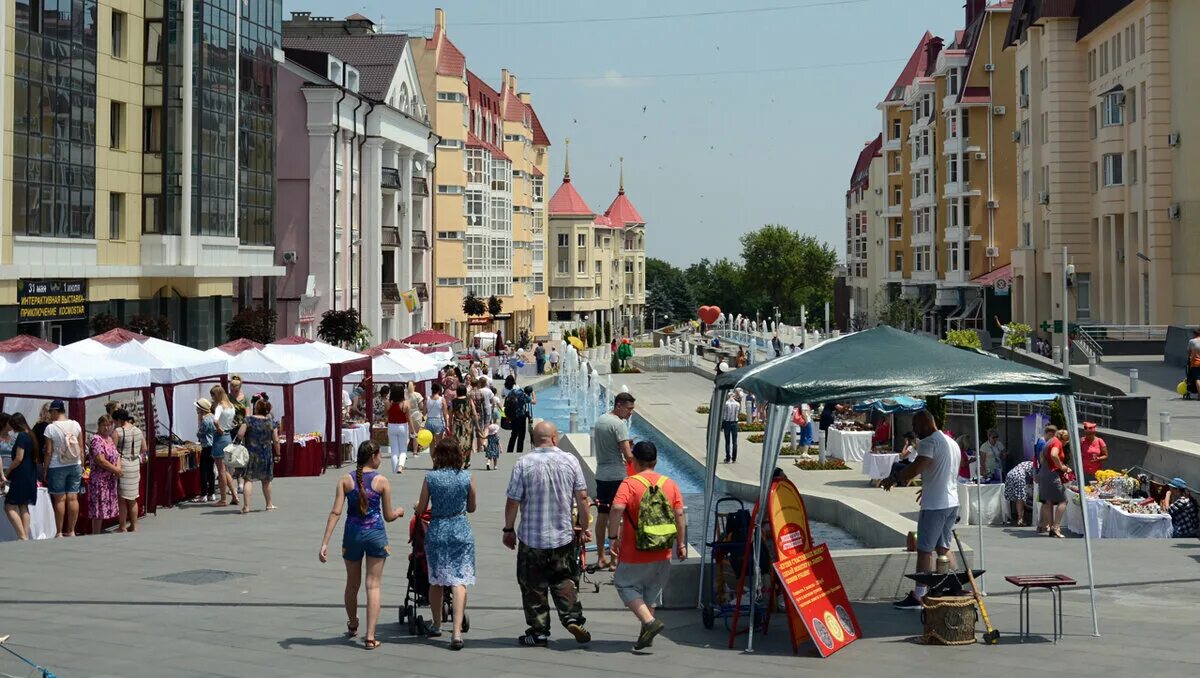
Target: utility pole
[1066,351]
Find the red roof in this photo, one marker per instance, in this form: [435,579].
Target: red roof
[24,343]
[450,61]
[990,278]
[475,142]
[622,212]
[917,65]
[568,202]
[975,95]
[862,168]
[239,345]
[537,172]
[390,343]
[539,134]
[118,336]
[514,108]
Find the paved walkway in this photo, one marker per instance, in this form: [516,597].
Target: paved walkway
[1158,381]
[139,605]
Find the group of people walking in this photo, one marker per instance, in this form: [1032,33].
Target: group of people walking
[239,446]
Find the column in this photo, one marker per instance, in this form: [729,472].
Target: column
[391,204]
[371,249]
[405,260]
[321,211]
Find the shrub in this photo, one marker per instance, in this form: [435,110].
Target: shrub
[1017,334]
[614,364]
[703,409]
[256,324]
[473,305]
[342,328]
[155,327]
[104,322]
[756,437]
[830,464]
[744,426]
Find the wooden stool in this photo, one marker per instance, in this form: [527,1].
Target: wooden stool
[1052,583]
[949,620]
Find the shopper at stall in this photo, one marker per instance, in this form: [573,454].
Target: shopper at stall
[369,496]
[262,443]
[449,493]
[1018,489]
[223,418]
[435,411]
[206,431]
[937,458]
[883,433]
[1185,521]
[1093,451]
[1052,467]
[991,457]
[22,475]
[104,472]
[380,405]
[397,421]
[132,448]
[63,468]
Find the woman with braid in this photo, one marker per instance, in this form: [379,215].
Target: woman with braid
[369,496]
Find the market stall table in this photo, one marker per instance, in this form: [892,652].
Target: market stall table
[41,519]
[987,498]
[1073,520]
[879,466]
[848,445]
[304,460]
[354,436]
[1113,522]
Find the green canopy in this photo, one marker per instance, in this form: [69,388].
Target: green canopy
[885,362]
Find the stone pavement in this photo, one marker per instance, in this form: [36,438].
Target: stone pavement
[122,605]
[1157,380]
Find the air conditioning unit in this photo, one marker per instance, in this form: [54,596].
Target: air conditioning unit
[988,68]
[991,252]
[1016,136]
[1043,198]
[1120,96]
[878,213]
[879,191]
[289,257]
[999,110]
[1023,101]
[1173,139]
[981,156]
[1173,211]
[993,204]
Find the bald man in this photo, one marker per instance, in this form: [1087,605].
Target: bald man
[545,485]
[937,464]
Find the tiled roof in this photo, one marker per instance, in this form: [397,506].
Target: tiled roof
[862,167]
[917,65]
[602,220]
[475,142]
[539,134]
[975,95]
[1026,13]
[568,202]
[536,171]
[622,212]
[375,55]
[514,108]
[450,60]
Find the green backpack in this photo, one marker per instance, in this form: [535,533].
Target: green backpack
[655,528]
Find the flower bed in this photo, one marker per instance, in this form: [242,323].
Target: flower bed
[745,426]
[703,409]
[815,465]
[755,437]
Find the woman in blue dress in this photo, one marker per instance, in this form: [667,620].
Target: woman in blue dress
[449,494]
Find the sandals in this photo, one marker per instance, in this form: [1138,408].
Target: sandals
[371,644]
[352,628]
[1056,533]
[433,630]
[456,644]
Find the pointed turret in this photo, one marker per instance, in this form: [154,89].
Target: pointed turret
[621,212]
[566,200]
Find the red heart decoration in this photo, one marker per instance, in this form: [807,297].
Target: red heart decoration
[709,314]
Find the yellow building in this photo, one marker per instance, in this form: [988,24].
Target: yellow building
[488,209]
[597,263]
[1107,105]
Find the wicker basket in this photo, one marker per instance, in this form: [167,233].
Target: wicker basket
[949,620]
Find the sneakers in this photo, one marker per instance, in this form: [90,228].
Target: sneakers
[910,602]
[646,637]
[582,635]
[533,640]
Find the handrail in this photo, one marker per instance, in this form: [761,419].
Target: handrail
[1089,346]
[1124,332]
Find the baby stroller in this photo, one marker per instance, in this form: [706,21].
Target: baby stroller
[416,594]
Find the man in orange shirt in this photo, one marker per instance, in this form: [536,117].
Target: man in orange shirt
[642,575]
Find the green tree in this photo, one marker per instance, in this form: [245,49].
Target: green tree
[495,305]
[473,305]
[903,313]
[722,283]
[667,293]
[963,339]
[256,324]
[787,269]
[343,328]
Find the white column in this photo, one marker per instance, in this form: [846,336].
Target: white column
[321,211]
[371,252]
[405,263]
[187,244]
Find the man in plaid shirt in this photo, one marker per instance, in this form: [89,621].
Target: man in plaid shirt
[543,486]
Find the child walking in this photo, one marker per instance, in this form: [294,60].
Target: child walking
[492,451]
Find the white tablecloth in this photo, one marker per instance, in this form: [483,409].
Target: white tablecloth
[356,435]
[992,505]
[1109,522]
[848,445]
[878,466]
[41,519]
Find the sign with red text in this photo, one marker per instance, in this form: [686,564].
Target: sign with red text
[815,595]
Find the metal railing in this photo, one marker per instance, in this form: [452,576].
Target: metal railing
[1088,407]
[1124,332]
[1088,346]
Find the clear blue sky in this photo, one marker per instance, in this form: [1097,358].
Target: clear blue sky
[712,156]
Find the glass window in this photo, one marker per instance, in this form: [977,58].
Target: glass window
[1112,107]
[118,34]
[153,130]
[1114,166]
[1133,167]
[1083,296]
[116,204]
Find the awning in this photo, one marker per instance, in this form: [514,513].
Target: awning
[1112,90]
[988,279]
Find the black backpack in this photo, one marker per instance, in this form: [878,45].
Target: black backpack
[514,404]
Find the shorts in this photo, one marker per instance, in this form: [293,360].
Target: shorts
[220,442]
[642,580]
[370,543]
[935,529]
[606,492]
[64,479]
[1193,375]
[436,426]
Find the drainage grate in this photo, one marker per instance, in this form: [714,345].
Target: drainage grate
[198,577]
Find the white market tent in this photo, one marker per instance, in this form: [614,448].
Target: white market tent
[400,365]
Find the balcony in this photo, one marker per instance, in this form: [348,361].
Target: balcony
[390,293]
[924,276]
[953,146]
[420,240]
[923,162]
[949,102]
[959,189]
[892,144]
[922,201]
[957,277]
[391,236]
[893,211]
[391,179]
[955,233]
[422,291]
[420,186]
[894,276]
[921,239]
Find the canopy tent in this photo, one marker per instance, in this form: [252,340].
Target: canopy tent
[431,337]
[893,363]
[31,368]
[170,365]
[890,405]
[341,363]
[400,365]
[281,372]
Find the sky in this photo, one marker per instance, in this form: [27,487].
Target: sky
[727,121]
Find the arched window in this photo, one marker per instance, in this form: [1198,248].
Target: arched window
[403,97]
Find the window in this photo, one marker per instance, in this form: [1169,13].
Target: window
[1095,177]
[1026,234]
[1104,59]
[1142,35]
[1131,99]
[1025,133]
[1024,81]
[899,232]
[152,130]
[116,205]
[1092,122]
[456,97]
[1091,65]
[896,163]
[1025,185]
[895,128]
[1130,43]
[116,125]
[897,195]
[562,267]
[1133,167]
[1045,74]
[450,235]
[564,240]
[1083,296]
[1112,106]
[1045,128]
[1114,165]
[952,81]
[446,189]
[118,34]
[899,262]
[598,269]
[1116,50]
[581,267]
[581,240]
[450,144]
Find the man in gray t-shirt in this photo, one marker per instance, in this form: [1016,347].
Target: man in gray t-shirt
[613,449]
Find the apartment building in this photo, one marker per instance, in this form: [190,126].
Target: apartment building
[489,216]
[137,176]
[355,151]
[597,262]
[866,230]
[1106,168]
[948,121]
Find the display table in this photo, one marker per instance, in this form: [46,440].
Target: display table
[878,466]
[1111,522]
[354,436]
[305,459]
[41,519]
[991,504]
[848,445]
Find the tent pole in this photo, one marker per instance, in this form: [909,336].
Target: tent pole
[772,438]
[710,480]
[978,490]
[1068,403]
